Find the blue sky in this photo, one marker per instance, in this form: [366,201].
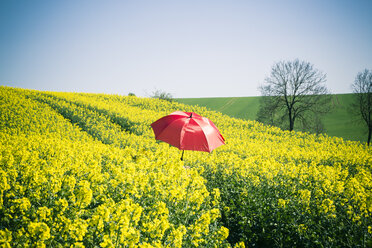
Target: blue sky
[187,48]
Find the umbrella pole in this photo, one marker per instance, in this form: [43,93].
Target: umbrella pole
[182,155]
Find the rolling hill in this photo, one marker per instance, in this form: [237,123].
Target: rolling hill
[339,122]
[85,170]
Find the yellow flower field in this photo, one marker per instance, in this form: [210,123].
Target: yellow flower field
[84,170]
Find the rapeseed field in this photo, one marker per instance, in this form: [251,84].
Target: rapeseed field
[84,170]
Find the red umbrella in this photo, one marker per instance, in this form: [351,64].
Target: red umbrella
[188,131]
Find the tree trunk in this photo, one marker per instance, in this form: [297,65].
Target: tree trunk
[291,124]
[369,136]
[291,121]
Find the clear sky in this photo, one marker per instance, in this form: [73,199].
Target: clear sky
[187,48]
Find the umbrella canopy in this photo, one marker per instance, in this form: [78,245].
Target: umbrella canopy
[188,131]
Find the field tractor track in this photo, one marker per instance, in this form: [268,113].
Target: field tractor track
[92,122]
[227,104]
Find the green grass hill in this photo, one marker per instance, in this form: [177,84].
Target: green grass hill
[339,122]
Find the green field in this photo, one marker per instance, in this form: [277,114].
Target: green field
[339,122]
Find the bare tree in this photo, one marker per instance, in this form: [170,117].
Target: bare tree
[294,91]
[362,87]
[160,94]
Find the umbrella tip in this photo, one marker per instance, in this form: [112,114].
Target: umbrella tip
[190,116]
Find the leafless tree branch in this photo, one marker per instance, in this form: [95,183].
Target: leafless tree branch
[294,90]
[362,88]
